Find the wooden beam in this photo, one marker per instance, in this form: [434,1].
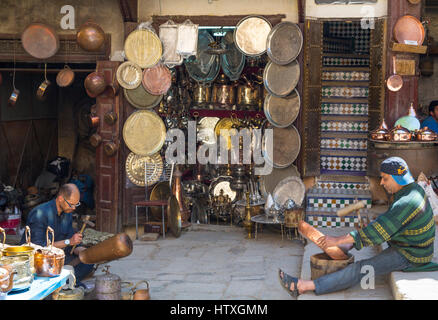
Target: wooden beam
[128,9]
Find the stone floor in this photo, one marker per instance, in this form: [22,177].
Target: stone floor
[212,262]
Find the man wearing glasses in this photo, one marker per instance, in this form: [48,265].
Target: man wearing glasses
[57,213]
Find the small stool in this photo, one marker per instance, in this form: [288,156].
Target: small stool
[146,204]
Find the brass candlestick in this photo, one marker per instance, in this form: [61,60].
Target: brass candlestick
[247,223]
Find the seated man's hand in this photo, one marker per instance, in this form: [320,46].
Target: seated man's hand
[328,241]
[78,249]
[76,239]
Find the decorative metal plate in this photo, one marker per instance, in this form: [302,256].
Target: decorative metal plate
[279,80]
[284,43]
[286,147]
[143,47]
[251,34]
[161,191]
[270,181]
[174,216]
[282,112]
[141,99]
[206,133]
[226,124]
[135,169]
[157,80]
[40,41]
[290,188]
[144,132]
[222,183]
[129,75]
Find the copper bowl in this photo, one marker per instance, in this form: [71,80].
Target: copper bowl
[65,77]
[95,84]
[90,36]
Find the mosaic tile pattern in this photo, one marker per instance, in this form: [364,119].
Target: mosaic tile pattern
[334,163]
[343,186]
[344,109]
[345,62]
[345,76]
[340,29]
[332,45]
[344,144]
[333,203]
[344,126]
[332,221]
[345,92]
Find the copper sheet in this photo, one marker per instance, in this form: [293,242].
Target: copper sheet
[282,112]
[270,181]
[141,99]
[289,188]
[409,28]
[40,41]
[287,145]
[251,34]
[144,132]
[284,43]
[129,75]
[157,80]
[279,80]
[135,168]
[143,47]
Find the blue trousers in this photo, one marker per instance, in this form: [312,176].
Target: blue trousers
[81,270]
[384,263]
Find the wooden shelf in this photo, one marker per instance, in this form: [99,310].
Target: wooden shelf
[408,48]
[227,113]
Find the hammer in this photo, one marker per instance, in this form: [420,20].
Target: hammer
[86,221]
[348,209]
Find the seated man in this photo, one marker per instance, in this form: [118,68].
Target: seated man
[408,227]
[432,120]
[57,214]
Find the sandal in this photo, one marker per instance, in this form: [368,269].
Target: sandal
[287,281]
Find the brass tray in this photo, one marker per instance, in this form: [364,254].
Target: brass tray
[144,132]
[141,99]
[135,168]
[143,47]
[286,147]
[279,80]
[290,188]
[270,181]
[282,112]
[284,43]
[174,216]
[251,34]
[129,75]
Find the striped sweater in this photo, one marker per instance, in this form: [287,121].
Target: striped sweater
[408,226]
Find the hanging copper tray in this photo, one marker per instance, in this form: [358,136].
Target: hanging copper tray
[279,80]
[143,47]
[284,43]
[270,181]
[161,191]
[286,146]
[129,75]
[290,188]
[40,41]
[409,28]
[141,99]
[251,34]
[282,112]
[174,216]
[144,132]
[157,80]
[135,168]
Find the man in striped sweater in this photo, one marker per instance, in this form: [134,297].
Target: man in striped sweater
[408,227]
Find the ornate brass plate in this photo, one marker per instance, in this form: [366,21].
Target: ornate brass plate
[143,47]
[222,183]
[290,188]
[141,99]
[129,75]
[287,145]
[174,216]
[135,168]
[144,132]
[282,112]
[279,80]
[284,43]
[251,34]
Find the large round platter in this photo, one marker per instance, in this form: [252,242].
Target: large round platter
[279,80]
[251,34]
[270,181]
[141,99]
[290,188]
[40,41]
[135,168]
[286,146]
[282,112]
[143,47]
[284,43]
[174,216]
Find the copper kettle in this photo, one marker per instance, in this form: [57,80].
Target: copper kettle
[95,84]
[140,294]
[90,36]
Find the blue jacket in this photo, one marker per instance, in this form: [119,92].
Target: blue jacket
[45,215]
[431,123]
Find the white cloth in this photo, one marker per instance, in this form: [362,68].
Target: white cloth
[433,198]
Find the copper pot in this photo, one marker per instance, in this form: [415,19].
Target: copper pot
[42,90]
[110,118]
[381,133]
[108,286]
[95,140]
[93,120]
[49,263]
[65,77]
[399,134]
[116,247]
[426,134]
[95,84]
[141,294]
[90,36]
[247,95]
[223,93]
[13,98]
[110,148]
